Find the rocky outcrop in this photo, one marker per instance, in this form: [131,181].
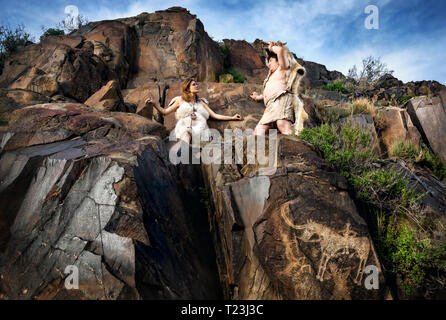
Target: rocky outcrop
[53,67]
[108,98]
[244,58]
[398,127]
[172,44]
[390,90]
[293,233]
[163,45]
[108,204]
[46,123]
[428,114]
[86,187]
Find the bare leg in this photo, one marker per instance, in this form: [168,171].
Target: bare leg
[285,126]
[186,137]
[261,129]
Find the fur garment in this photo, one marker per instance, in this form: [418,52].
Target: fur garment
[185,122]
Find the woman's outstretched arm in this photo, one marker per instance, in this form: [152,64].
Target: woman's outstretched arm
[171,108]
[217,116]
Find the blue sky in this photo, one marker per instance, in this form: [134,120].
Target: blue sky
[410,39]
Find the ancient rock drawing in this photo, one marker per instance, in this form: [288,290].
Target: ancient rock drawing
[291,258]
[332,243]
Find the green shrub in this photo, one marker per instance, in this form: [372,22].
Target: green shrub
[405,98]
[411,257]
[53,32]
[236,75]
[10,41]
[337,86]
[435,163]
[404,150]
[330,114]
[411,153]
[347,151]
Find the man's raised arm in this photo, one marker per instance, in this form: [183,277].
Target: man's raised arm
[283,61]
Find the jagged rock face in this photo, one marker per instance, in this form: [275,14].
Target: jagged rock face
[108,98]
[292,234]
[244,58]
[112,206]
[54,122]
[429,115]
[387,81]
[76,72]
[172,44]
[317,75]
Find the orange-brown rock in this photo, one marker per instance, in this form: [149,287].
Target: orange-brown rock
[244,58]
[108,98]
[139,95]
[292,234]
[398,128]
[51,67]
[173,45]
[51,122]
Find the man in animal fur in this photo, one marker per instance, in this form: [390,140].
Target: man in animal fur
[284,109]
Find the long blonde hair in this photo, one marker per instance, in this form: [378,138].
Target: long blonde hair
[185,88]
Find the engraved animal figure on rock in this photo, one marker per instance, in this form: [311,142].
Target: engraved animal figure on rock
[332,243]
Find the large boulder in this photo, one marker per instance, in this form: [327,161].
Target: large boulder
[53,67]
[398,127]
[108,98]
[244,58]
[115,43]
[172,44]
[108,204]
[52,122]
[290,233]
[139,95]
[429,116]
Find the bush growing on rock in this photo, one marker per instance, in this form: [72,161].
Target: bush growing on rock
[337,86]
[396,217]
[237,76]
[372,69]
[53,32]
[412,153]
[11,40]
[363,105]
